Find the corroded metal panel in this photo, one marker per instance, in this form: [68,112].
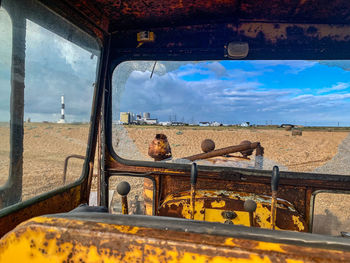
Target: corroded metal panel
[149,13]
[210,205]
[62,202]
[69,240]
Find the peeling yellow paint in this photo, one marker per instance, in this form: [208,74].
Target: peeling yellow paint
[70,242]
[297,222]
[294,261]
[270,247]
[218,204]
[148,194]
[127,229]
[214,214]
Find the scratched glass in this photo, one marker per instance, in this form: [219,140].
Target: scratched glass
[5,91]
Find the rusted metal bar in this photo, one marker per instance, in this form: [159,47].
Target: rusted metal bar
[223,151]
[259,157]
[91,171]
[66,164]
[125,209]
[99,161]
[250,207]
[274,188]
[194,174]
[123,189]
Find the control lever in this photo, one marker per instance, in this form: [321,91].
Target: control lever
[194,174]
[250,207]
[123,189]
[274,188]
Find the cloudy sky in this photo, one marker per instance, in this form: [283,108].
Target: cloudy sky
[302,92]
[54,67]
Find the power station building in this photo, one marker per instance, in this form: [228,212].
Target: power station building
[130,118]
[125,117]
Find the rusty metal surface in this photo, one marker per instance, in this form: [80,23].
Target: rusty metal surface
[69,240]
[247,147]
[210,204]
[294,187]
[159,148]
[149,13]
[207,145]
[85,16]
[59,203]
[266,41]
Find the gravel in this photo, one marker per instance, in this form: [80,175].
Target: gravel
[340,163]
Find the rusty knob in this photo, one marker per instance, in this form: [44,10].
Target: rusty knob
[246,152]
[123,188]
[207,145]
[249,206]
[159,148]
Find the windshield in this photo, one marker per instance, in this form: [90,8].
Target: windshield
[293,114]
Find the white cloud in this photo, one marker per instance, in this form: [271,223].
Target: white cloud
[336,87]
[217,68]
[295,66]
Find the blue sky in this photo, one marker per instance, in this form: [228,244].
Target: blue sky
[301,92]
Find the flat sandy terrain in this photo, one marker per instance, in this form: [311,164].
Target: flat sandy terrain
[46,146]
[297,153]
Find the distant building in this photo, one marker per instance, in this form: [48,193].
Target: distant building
[125,117]
[215,124]
[284,125]
[131,118]
[177,123]
[204,123]
[165,123]
[245,124]
[151,121]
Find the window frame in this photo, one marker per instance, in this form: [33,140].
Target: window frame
[33,9]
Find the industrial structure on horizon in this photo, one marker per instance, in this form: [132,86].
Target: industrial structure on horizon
[131,118]
[145,119]
[62,120]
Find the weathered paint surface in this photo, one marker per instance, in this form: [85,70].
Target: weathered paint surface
[59,203]
[70,240]
[143,13]
[210,204]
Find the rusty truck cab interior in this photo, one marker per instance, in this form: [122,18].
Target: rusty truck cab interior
[143,199]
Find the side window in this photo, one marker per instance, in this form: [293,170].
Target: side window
[46,91]
[5,91]
[59,87]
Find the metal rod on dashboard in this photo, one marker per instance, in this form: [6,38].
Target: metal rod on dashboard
[274,187]
[194,174]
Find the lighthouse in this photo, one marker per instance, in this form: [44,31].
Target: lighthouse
[62,111]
